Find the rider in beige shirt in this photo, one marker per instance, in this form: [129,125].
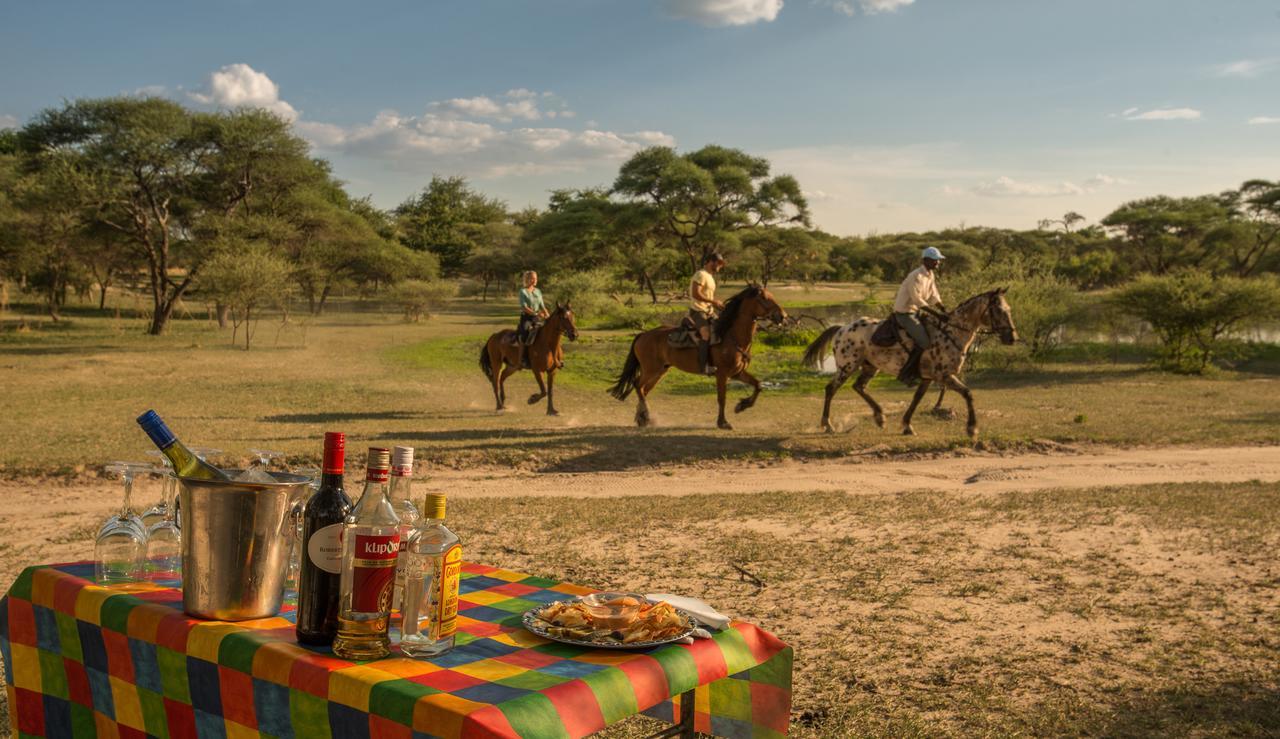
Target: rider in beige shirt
[919,290]
[703,306]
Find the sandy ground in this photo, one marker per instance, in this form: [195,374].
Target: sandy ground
[1064,468]
[53,520]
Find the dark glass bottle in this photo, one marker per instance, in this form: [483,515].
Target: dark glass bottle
[320,578]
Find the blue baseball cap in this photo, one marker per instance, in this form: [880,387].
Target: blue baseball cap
[932,253]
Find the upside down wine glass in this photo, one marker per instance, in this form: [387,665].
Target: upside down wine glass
[121,544]
[164,538]
[297,507]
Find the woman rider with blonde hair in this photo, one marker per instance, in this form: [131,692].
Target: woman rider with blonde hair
[532,310]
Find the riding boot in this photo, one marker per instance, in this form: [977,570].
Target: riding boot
[524,356]
[910,372]
[704,358]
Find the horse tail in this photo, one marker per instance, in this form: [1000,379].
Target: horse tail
[485,366]
[818,349]
[630,376]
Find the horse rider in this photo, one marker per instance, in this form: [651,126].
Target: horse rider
[532,312]
[918,292]
[703,306]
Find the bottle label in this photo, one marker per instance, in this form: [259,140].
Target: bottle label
[374,474]
[325,548]
[402,470]
[445,620]
[373,572]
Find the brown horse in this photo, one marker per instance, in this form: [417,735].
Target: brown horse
[500,357]
[651,355]
[942,362]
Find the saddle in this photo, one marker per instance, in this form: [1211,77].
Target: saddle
[886,333]
[685,335]
[530,336]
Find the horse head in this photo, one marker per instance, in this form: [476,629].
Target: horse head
[768,307]
[999,317]
[565,313]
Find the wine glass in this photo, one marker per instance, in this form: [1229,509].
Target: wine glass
[121,544]
[297,506]
[164,538]
[168,489]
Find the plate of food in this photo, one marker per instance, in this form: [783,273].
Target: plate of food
[610,621]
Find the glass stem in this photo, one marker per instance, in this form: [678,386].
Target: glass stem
[170,488]
[128,495]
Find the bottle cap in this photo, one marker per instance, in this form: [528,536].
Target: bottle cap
[335,452]
[433,506]
[379,464]
[155,428]
[402,461]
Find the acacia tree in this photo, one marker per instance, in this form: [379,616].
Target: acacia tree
[785,251]
[1164,233]
[436,220]
[496,253]
[1257,205]
[704,197]
[51,224]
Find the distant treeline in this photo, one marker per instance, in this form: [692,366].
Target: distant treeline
[232,208]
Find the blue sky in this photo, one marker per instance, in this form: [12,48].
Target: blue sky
[894,114]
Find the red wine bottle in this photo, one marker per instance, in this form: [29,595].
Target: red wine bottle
[320,578]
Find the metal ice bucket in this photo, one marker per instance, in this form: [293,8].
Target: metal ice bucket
[236,538]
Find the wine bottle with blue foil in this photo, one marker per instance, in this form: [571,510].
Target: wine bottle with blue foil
[185,462]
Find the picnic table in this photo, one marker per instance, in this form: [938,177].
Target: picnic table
[126,661]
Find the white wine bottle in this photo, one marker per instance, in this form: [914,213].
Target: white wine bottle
[185,462]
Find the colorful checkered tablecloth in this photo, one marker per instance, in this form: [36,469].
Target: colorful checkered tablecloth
[83,660]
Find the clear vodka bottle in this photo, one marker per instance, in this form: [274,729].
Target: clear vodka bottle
[432,567]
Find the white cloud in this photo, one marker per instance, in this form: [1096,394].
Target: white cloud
[868,7]
[447,141]
[724,12]
[1247,68]
[8,121]
[1263,120]
[518,104]
[1002,187]
[239,85]
[1161,114]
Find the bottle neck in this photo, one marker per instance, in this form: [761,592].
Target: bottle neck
[401,486]
[331,481]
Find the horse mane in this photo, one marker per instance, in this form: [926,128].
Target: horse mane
[732,307]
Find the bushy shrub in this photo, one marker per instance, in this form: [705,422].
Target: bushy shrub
[1192,312]
[420,298]
[590,292]
[1043,304]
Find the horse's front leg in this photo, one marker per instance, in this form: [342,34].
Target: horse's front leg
[972,426]
[750,400]
[542,389]
[842,376]
[551,401]
[915,401]
[722,386]
[502,386]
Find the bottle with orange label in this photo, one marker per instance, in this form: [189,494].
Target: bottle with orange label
[433,568]
[370,546]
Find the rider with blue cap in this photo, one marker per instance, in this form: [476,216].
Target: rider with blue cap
[918,291]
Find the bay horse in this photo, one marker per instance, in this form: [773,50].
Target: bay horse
[500,357]
[651,355]
[941,362]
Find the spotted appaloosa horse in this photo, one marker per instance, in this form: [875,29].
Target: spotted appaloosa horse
[941,362]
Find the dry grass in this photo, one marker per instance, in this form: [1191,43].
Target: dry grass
[71,394]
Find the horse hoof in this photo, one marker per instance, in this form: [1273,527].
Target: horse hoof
[973,432]
[741,406]
[828,428]
[908,431]
[724,425]
[534,398]
[880,420]
[552,412]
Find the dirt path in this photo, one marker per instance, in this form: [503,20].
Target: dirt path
[976,473]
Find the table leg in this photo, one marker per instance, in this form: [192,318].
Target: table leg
[684,729]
